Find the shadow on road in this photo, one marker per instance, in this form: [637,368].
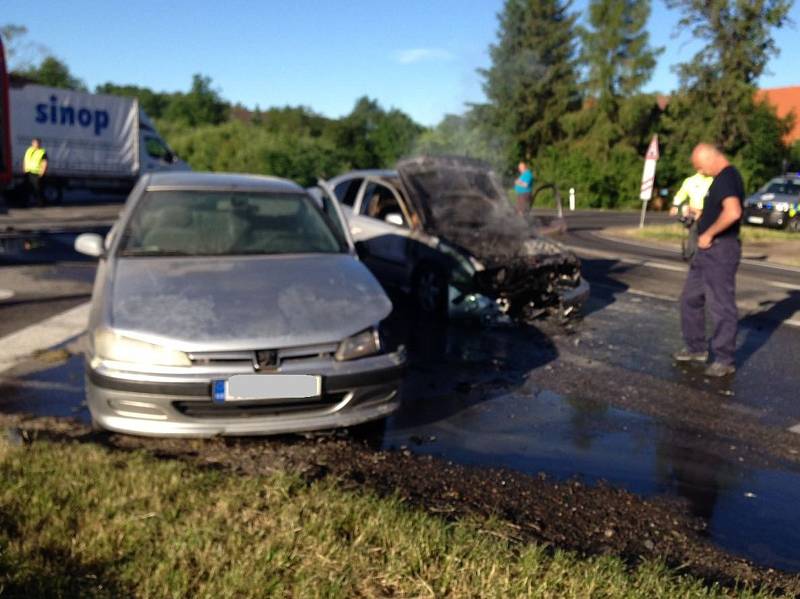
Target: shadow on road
[761,325]
[605,287]
[454,367]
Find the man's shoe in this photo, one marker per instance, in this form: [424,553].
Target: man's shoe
[718,369]
[685,355]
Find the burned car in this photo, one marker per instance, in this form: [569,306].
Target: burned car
[442,229]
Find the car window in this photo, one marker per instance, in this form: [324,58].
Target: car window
[156,148]
[201,223]
[346,191]
[784,187]
[379,201]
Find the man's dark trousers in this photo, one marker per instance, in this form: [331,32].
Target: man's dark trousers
[35,191]
[712,282]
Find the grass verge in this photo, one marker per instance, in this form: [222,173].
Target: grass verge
[675,232]
[82,520]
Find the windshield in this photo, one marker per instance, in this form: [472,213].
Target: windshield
[784,187]
[217,223]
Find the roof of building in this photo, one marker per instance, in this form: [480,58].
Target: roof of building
[785,100]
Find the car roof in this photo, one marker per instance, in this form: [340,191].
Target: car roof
[221,181]
[371,172]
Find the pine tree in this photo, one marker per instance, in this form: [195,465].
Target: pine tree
[616,51]
[532,82]
[720,81]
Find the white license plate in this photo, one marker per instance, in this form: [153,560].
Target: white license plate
[266,387]
[756,220]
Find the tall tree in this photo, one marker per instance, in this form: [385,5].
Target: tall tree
[202,105]
[21,54]
[374,137]
[616,51]
[720,81]
[54,73]
[153,103]
[532,81]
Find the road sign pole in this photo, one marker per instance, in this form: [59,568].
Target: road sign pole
[648,176]
[644,211]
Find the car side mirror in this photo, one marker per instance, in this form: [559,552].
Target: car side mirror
[90,244]
[395,218]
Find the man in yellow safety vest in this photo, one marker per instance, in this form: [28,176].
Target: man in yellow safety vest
[689,202]
[35,167]
[694,189]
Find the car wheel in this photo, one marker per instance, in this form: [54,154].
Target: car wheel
[431,291]
[53,195]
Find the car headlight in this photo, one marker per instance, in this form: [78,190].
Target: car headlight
[109,345]
[363,344]
[782,206]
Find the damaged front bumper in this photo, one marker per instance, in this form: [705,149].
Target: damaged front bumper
[567,300]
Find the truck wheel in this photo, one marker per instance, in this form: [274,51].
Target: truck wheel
[430,291]
[53,195]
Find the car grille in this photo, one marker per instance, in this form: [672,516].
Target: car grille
[255,409]
[267,358]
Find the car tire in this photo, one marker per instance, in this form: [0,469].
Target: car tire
[53,195]
[430,291]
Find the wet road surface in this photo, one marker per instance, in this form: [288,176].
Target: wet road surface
[600,400]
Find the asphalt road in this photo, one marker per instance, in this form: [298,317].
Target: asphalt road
[599,399]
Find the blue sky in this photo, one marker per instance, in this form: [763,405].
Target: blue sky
[417,55]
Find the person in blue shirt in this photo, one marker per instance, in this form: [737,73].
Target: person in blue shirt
[523,187]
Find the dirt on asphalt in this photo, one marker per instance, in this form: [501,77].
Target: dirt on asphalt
[589,519]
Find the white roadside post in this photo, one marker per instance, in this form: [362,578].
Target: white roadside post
[572,199]
[648,176]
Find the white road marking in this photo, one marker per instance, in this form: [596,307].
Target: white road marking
[664,266]
[44,385]
[652,295]
[6,294]
[641,246]
[42,335]
[795,429]
[643,262]
[770,265]
[781,285]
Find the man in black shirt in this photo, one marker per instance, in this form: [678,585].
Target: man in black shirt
[712,274]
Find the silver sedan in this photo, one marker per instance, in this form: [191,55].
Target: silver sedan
[234,305]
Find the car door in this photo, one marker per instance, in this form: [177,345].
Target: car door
[379,224]
[326,201]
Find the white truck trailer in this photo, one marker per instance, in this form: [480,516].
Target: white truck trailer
[93,141]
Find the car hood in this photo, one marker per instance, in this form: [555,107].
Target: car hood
[248,302]
[462,200]
[447,190]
